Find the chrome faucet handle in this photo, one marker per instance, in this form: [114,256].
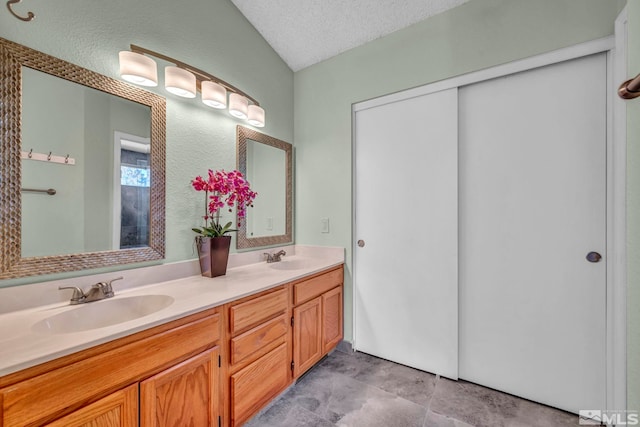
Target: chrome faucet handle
[108,289]
[78,296]
[268,256]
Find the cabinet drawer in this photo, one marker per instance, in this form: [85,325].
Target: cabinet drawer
[316,286]
[60,391]
[254,386]
[258,338]
[257,310]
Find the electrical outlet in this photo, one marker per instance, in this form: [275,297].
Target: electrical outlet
[270,223]
[324,227]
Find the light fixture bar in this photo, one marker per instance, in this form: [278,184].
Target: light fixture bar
[200,75]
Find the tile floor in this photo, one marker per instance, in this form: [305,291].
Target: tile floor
[358,390]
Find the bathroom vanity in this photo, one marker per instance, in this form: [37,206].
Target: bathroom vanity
[221,351]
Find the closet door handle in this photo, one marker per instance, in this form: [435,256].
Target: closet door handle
[594,257]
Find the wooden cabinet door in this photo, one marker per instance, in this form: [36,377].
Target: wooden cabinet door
[119,409]
[256,384]
[331,319]
[186,394]
[307,335]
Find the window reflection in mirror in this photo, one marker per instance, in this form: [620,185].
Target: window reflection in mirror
[85,214]
[131,191]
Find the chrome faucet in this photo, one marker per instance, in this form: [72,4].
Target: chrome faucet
[274,257]
[97,292]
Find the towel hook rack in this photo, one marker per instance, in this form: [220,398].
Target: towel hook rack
[48,157]
[630,89]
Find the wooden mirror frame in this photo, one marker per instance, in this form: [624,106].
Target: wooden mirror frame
[13,57]
[244,242]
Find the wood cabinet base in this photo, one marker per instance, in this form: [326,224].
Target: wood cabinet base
[214,368]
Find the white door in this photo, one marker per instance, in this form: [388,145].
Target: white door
[406,214]
[532,206]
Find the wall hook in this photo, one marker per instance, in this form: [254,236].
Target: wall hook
[49,156]
[66,159]
[29,17]
[31,153]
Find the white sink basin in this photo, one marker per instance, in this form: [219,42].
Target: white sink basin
[292,264]
[104,313]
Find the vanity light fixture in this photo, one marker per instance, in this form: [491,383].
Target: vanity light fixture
[238,106]
[255,116]
[180,82]
[138,69]
[213,94]
[137,66]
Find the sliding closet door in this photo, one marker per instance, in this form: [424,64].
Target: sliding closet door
[532,210]
[406,217]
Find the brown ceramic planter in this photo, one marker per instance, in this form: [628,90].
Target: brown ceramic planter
[214,255]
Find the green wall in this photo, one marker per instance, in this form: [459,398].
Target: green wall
[476,35]
[633,212]
[211,35]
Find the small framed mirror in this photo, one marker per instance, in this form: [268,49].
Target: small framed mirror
[82,182]
[266,162]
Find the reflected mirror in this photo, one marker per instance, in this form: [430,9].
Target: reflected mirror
[266,162]
[83,167]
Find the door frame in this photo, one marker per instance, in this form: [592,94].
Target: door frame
[617,221]
[616,262]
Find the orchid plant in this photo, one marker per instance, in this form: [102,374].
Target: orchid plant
[223,189]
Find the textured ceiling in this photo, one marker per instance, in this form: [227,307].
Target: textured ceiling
[304,32]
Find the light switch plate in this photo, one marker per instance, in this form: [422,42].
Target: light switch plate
[324,227]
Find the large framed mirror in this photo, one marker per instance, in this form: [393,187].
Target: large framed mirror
[82,183]
[266,162]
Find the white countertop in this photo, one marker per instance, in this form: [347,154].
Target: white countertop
[21,347]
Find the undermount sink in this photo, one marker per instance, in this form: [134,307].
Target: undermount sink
[103,313]
[292,264]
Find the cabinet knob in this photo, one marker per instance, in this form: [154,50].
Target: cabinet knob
[361,243]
